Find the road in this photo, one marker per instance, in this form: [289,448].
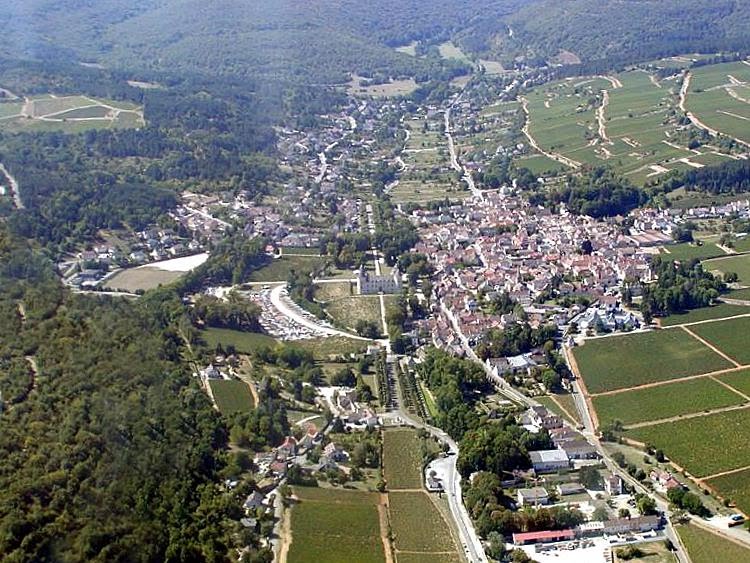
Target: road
[17,201]
[455,164]
[470,541]
[554,156]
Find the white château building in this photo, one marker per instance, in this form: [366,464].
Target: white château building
[370,284]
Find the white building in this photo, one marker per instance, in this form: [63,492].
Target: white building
[370,284]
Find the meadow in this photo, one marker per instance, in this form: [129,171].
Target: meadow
[703,445]
[347,311]
[737,264]
[720,311]
[620,362]
[280,268]
[417,524]
[664,401]
[243,342]
[231,396]
[688,251]
[141,278]
[730,336]
[402,459]
[335,525]
[705,547]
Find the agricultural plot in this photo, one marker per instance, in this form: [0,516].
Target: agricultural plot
[703,445]
[418,525]
[718,96]
[360,87]
[324,348]
[720,311]
[402,459]
[737,264]
[731,336]
[626,361]
[664,401]
[333,525]
[279,268]
[450,51]
[69,113]
[141,278]
[243,342]
[735,487]
[705,547]
[687,251]
[347,311]
[231,396]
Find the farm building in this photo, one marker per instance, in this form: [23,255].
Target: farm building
[542,537]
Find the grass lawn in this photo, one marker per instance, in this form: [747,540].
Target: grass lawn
[243,342]
[402,459]
[417,524]
[738,264]
[705,547]
[279,269]
[743,294]
[687,251]
[735,487]
[553,407]
[347,311]
[323,348]
[664,401]
[333,291]
[730,336]
[336,526]
[704,445]
[719,311]
[625,361]
[232,396]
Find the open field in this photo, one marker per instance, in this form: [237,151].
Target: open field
[720,311]
[410,49]
[737,264]
[705,547]
[333,291]
[433,558]
[718,96]
[359,87]
[402,459]
[336,526]
[704,445]
[279,268]
[324,347]
[347,311]
[620,362]
[739,380]
[735,487]
[687,251]
[243,342]
[653,552]
[304,250]
[664,401]
[553,405]
[418,525]
[731,336]
[141,278]
[70,114]
[450,51]
[231,396]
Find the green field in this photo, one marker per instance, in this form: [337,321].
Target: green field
[735,487]
[243,342]
[323,348]
[280,268]
[740,380]
[730,336]
[231,396]
[620,362]
[720,311]
[141,278]
[737,264]
[713,98]
[703,445]
[433,558]
[335,526]
[705,547]
[450,51]
[664,401]
[687,251]
[402,459]
[347,311]
[417,524]
[743,294]
[567,401]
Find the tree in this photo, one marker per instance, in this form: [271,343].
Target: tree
[601,514]
[623,513]
[645,504]
[367,329]
[590,477]
[551,379]
[344,378]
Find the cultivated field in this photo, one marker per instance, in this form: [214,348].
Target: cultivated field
[402,459]
[731,336]
[719,96]
[359,87]
[705,547]
[141,278]
[625,361]
[737,264]
[687,251]
[734,487]
[720,311]
[323,348]
[739,380]
[337,526]
[347,311]
[231,396]
[664,401]
[278,269]
[703,445]
[243,342]
[69,114]
[417,524]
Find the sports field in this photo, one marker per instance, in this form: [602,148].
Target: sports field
[402,459]
[231,396]
[418,526]
[621,362]
[719,96]
[336,525]
[141,278]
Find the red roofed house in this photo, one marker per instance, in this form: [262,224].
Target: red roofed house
[545,536]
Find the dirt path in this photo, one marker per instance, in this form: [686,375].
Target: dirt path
[15,191]
[600,117]
[573,363]
[711,346]
[744,406]
[563,409]
[615,82]
[383,518]
[669,381]
[554,156]
[721,474]
[737,391]
[285,531]
[707,321]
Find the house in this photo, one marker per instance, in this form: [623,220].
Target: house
[613,485]
[335,452]
[326,464]
[579,449]
[526,538]
[541,417]
[570,489]
[549,460]
[253,502]
[637,524]
[278,468]
[434,483]
[311,437]
[288,448]
[664,479]
[535,495]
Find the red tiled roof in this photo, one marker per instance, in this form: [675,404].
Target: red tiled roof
[545,535]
